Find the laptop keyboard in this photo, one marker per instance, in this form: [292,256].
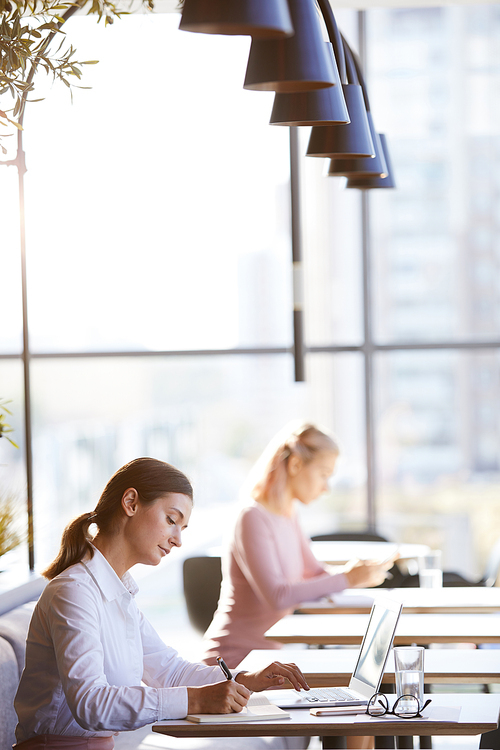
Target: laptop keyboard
[321,695]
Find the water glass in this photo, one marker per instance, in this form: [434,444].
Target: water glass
[409,671]
[430,572]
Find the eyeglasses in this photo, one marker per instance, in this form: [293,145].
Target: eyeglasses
[406,706]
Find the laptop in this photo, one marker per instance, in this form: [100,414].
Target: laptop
[369,669]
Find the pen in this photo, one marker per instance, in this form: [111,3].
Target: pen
[225,669]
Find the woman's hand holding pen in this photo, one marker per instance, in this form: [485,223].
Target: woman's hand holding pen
[224,697]
[275,674]
[367,573]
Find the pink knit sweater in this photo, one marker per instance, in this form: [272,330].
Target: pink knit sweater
[268,570]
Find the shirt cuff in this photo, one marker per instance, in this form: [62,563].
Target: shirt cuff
[173,703]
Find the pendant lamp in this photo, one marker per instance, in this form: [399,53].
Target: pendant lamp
[262,19]
[353,140]
[319,107]
[348,141]
[298,63]
[376,167]
[362,167]
[322,106]
[368,183]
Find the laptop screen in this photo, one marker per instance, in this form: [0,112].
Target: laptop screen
[377,642]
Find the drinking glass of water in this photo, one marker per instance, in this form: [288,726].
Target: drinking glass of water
[430,572]
[409,670]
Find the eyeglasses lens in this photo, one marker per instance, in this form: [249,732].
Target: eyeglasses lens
[377,705]
[407,707]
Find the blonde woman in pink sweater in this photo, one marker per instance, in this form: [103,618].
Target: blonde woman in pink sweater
[269,567]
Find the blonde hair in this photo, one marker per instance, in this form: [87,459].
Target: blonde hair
[269,476]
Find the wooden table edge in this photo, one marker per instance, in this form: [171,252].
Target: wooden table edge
[416,610]
[430,678]
[399,640]
[322,728]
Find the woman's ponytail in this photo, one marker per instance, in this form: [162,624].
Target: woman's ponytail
[75,544]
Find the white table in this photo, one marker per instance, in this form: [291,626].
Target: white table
[479,713]
[422,629]
[452,600]
[337,553]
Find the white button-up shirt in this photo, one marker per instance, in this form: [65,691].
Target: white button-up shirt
[94,664]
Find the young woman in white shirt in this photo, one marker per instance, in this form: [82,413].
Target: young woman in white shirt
[94,664]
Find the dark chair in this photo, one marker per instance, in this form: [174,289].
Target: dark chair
[450,578]
[202,577]
[489,577]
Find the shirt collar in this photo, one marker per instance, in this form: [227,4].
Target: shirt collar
[106,579]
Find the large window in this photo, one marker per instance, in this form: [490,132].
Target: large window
[436,79]
[435,240]
[151,226]
[159,281]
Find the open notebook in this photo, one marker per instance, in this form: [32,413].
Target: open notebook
[369,669]
[258,708]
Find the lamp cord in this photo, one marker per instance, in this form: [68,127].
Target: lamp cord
[335,37]
[353,62]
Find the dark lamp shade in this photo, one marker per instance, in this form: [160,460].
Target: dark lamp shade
[347,141]
[322,107]
[262,19]
[319,107]
[363,167]
[368,183]
[301,62]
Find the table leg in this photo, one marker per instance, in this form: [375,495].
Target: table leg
[385,742]
[333,742]
[405,742]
